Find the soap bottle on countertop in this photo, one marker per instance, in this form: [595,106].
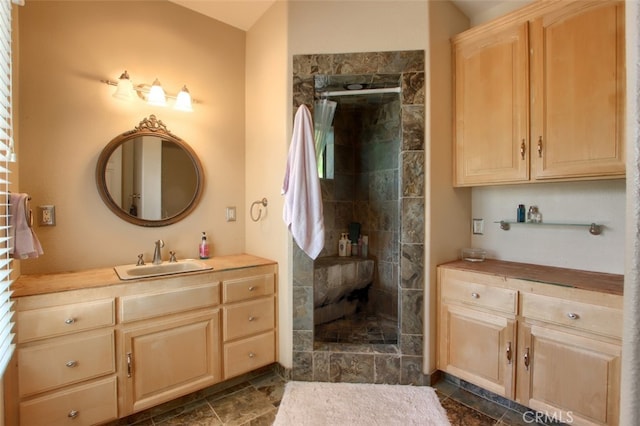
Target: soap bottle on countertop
[203,248]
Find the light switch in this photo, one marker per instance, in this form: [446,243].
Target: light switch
[231,214]
[47,215]
[478,226]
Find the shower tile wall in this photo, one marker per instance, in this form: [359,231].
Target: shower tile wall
[404,252]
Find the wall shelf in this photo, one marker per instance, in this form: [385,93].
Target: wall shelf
[593,228]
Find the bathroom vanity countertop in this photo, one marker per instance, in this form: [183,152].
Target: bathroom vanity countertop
[586,280]
[32,284]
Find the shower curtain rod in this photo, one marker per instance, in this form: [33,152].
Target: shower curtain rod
[360,92]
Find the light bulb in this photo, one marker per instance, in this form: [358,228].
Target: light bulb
[183,100]
[124,91]
[156,95]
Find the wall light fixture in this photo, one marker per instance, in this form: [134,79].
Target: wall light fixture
[153,94]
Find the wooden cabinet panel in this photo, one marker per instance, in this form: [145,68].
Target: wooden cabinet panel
[247,288]
[460,289]
[143,306]
[88,404]
[248,354]
[578,85]
[553,354]
[491,129]
[247,318]
[557,112]
[167,359]
[60,320]
[580,316]
[478,347]
[60,362]
[573,378]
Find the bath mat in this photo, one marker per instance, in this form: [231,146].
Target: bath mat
[355,404]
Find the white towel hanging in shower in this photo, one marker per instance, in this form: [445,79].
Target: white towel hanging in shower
[303,213]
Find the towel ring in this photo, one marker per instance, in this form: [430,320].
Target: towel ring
[263,202]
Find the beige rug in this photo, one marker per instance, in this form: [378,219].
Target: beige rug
[352,404]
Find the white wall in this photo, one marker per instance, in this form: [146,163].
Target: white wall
[602,202]
[449,208]
[268,95]
[630,386]
[66,116]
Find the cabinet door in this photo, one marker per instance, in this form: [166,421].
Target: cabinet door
[166,359]
[578,86]
[478,347]
[571,378]
[491,107]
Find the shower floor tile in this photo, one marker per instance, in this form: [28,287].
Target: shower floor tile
[358,328]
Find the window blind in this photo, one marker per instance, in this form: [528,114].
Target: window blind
[7,344]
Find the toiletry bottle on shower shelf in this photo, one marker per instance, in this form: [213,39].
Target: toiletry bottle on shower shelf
[342,245]
[203,248]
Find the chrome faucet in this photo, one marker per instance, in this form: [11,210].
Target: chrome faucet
[157,253]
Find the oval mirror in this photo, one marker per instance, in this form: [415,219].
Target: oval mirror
[149,176]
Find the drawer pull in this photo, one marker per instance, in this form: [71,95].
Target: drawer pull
[69,321]
[71,364]
[252,288]
[573,316]
[73,414]
[252,318]
[252,355]
[508,352]
[526,359]
[475,295]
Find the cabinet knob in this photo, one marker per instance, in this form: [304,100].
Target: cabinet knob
[526,359]
[252,355]
[573,315]
[252,288]
[73,414]
[71,364]
[508,352]
[69,321]
[251,318]
[523,148]
[475,295]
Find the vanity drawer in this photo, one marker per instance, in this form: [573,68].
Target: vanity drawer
[461,288]
[59,320]
[65,360]
[151,305]
[247,318]
[582,316]
[249,354]
[247,288]
[85,404]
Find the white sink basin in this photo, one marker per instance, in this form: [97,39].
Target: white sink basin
[133,271]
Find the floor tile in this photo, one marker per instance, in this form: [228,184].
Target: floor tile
[240,407]
[461,415]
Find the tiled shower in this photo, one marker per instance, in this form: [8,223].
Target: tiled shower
[379,182]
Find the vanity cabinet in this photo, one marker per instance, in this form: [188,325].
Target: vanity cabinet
[539,95]
[170,343]
[477,331]
[555,349]
[67,361]
[570,359]
[92,349]
[249,323]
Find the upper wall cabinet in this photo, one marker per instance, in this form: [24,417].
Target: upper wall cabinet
[539,95]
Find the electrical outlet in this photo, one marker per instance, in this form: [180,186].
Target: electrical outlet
[478,226]
[231,214]
[47,215]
